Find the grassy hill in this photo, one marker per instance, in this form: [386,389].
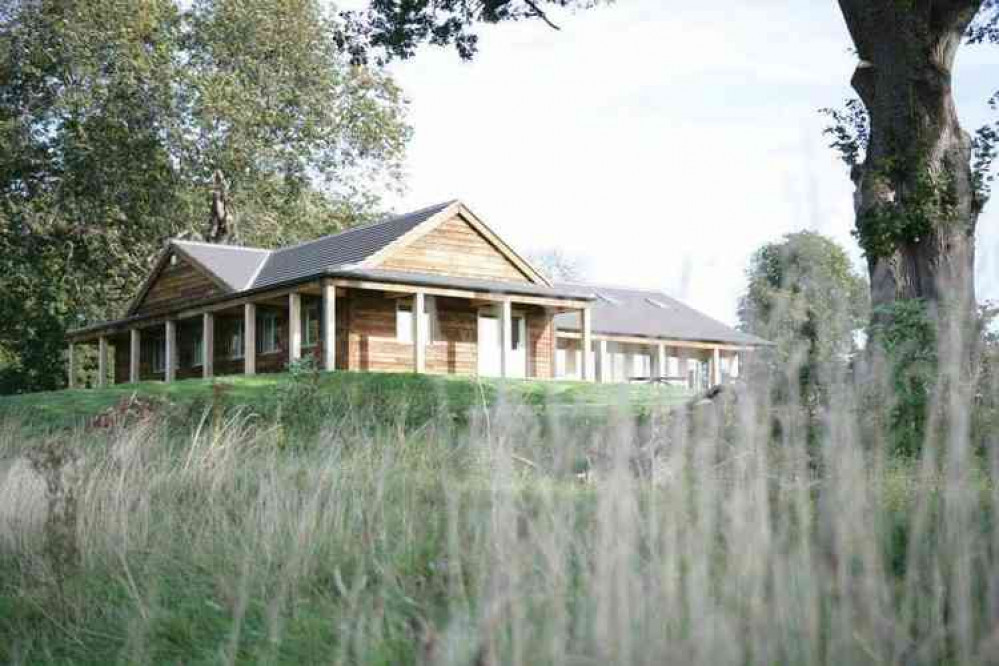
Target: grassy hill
[384,396]
[343,519]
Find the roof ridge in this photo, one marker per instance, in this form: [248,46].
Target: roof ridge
[384,220]
[226,246]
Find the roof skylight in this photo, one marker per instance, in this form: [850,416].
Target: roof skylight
[658,304]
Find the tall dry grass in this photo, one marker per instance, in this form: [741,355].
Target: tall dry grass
[739,532]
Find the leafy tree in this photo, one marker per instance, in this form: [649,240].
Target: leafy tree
[394,29]
[114,121]
[804,295]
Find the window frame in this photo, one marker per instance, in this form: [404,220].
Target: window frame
[198,355]
[404,331]
[308,312]
[263,319]
[236,351]
[158,353]
[518,342]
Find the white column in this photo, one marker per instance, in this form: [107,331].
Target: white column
[102,361]
[134,355]
[734,367]
[329,326]
[171,351]
[586,318]
[208,344]
[662,361]
[294,327]
[419,333]
[506,337]
[605,372]
[250,339]
[716,374]
[71,366]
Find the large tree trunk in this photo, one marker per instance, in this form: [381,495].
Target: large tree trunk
[916,203]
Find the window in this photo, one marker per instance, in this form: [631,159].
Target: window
[158,352]
[516,333]
[310,326]
[267,333]
[198,353]
[404,319]
[236,341]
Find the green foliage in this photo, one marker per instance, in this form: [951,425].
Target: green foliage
[907,335]
[884,227]
[850,130]
[113,118]
[804,295]
[390,29]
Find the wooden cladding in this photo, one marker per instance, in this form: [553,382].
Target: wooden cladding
[373,347]
[178,283]
[455,248]
[452,349]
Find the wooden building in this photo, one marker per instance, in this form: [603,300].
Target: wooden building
[432,291]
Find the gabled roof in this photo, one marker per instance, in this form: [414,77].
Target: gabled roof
[352,246]
[236,266]
[366,247]
[652,314]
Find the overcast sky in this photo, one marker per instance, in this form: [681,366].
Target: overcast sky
[659,142]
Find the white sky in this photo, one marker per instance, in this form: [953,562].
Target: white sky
[661,143]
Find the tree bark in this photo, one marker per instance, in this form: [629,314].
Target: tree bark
[916,203]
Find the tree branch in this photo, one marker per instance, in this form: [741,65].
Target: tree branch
[541,15]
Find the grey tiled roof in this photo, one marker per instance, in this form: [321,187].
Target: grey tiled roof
[348,247]
[642,313]
[234,265]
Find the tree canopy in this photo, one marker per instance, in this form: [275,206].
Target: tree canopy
[804,295]
[114,121]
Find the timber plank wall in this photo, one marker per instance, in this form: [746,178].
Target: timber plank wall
[177,284]
[455,248]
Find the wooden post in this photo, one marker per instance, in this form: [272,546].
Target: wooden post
[586,316]
[250,339]
[506,336]
[170,371]
[102,361]
[329,326]
[134,355]
[294,326]
[207,345]
[71,366]
[419,333]
[716,374]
